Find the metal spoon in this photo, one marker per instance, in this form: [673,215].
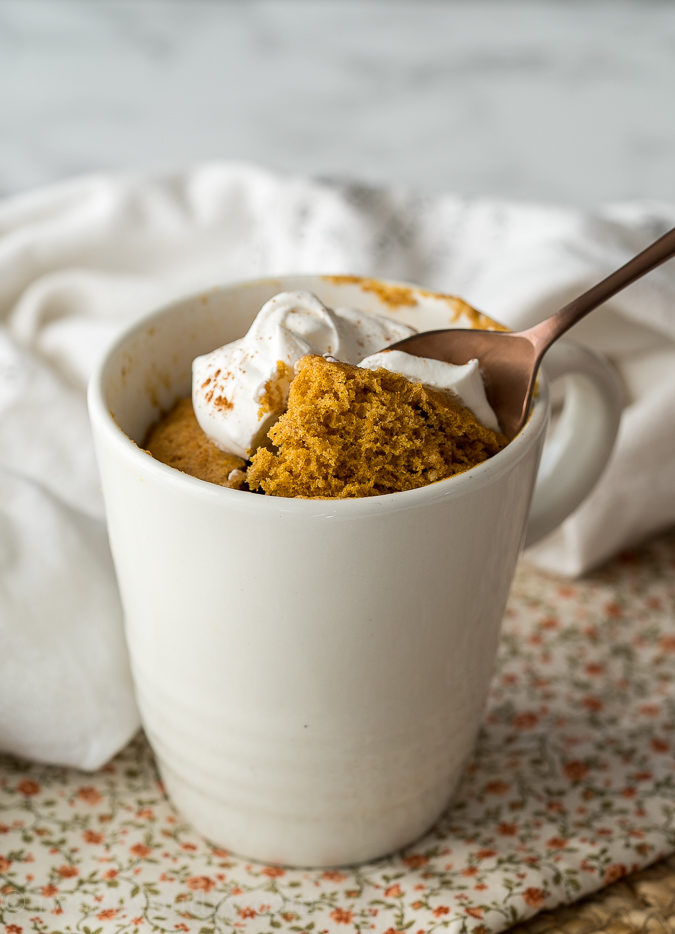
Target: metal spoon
[509,360]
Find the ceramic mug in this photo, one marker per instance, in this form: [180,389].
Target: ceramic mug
[311,674]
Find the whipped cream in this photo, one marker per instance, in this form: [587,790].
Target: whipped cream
[464,381]
[240,389]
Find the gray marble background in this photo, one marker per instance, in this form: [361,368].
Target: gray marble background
[537,99]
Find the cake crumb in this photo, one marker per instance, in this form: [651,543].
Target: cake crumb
[178,441]
[352,432]
[273,398]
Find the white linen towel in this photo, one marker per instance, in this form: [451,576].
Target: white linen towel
[81,260]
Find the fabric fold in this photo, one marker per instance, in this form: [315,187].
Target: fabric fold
[82,260]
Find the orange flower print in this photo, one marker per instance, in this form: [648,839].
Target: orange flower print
[549,622]
[533,897]
[4,863]
[200,883]
[566,590]
[246,913]
[28,787]
[393,891]
[342,916]
[525,720]
[48,890]
[415,861]
[594,668]
[475,912]
[557,843]
[667,643]
[140,850]
[470,871]
[613,872]
[13,929]
[485,854]
[440,911]
[89,794]
[107,914]
[659,745]
[110,873]
[67,872]
[497,787]
[90,836]
[592,703]
[507,830]
[575,770]
[333,875]
[273,871]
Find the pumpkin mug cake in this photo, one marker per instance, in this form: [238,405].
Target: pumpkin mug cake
[311,404]
[311,659]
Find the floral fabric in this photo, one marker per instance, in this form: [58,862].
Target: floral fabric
[572,786]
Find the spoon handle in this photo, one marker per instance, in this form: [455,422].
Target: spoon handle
[543,334]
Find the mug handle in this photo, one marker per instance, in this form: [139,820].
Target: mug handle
[577,452]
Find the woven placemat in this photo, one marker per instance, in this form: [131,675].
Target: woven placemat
[643,903]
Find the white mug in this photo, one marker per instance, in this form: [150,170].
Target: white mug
[311,674]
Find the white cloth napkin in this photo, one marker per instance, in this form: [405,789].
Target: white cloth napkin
[81,260]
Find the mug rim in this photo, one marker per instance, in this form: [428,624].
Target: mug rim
[224,497]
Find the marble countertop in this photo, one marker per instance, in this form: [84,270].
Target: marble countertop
[534,99]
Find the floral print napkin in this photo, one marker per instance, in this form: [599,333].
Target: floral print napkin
[572,786]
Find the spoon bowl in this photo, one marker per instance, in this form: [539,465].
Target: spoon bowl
[510,360]
[508,363]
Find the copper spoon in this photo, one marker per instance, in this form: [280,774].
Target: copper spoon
[510,360]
